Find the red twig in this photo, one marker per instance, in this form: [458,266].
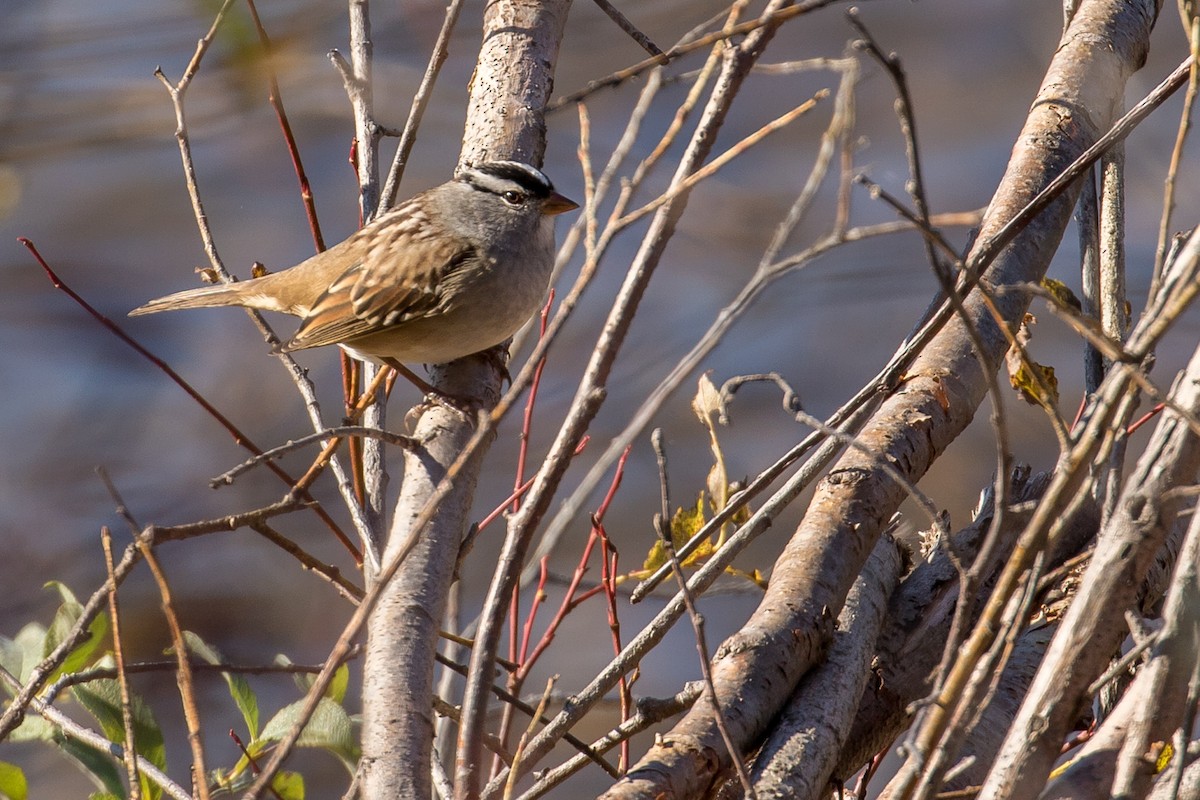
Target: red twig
[521,490]
[238,437]
[1149,415]
[276,101]
[608,580]
[527,421]
[538,597]
[616,484]
[251,760]
[573,598]
[569,602]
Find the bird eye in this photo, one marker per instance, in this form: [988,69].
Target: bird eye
[513,198]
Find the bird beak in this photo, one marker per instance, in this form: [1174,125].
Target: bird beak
[557,204]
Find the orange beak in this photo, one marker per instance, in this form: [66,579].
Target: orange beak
[557,204]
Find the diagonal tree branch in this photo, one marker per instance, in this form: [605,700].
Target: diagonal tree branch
[788,633]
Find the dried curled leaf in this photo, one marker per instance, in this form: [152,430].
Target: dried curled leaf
[1043,392]
[687,521]
[706,404]
[1035,382]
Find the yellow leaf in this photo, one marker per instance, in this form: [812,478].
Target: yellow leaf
[1164,757]
[1061,293]
[655,558]
[1036,383]
[1043,393]
[687,522]
[754,576]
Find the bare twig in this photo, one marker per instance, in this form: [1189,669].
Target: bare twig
[1185,124]
[769,20]
[662,528]
[328,572]
[520,751]
[408,137]
[70,679]
[183,672]
[177,92]
[131,756]
[724,158]
[224,421]
[74,730]
[624,24]
[276,99]
[649,712]
[226,478]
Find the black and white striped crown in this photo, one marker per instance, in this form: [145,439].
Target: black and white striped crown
[498,177]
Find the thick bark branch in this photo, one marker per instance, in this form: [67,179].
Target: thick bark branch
[787,635]
[800,755]
[922,610]
[505,120]
[1094,627]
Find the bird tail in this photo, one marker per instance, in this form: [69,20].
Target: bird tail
[204,297]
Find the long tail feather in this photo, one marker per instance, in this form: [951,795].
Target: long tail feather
[204,297]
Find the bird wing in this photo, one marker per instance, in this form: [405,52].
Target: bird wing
[362,301]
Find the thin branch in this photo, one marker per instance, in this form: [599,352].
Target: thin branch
[586,751]
[183,673]
[227,478]
[662,528]
[131,756]
[74,730]
[441,50]
[299,376]
[709,169]
[1185,125]
[520,751]
[328,572]
[275,98]
[772,19]
[624,24]
[649,712]
[238,437]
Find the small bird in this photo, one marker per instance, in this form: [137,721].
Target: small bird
[454,270]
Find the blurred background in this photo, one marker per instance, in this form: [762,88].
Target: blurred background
[90,171]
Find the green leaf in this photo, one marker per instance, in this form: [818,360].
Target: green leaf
[12,782]
[239,689]
[65,618]
[337,687]
[336,691]
[289,785]
[102,699]
[34,729]
[20,655]
[97,765]
[329,729]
